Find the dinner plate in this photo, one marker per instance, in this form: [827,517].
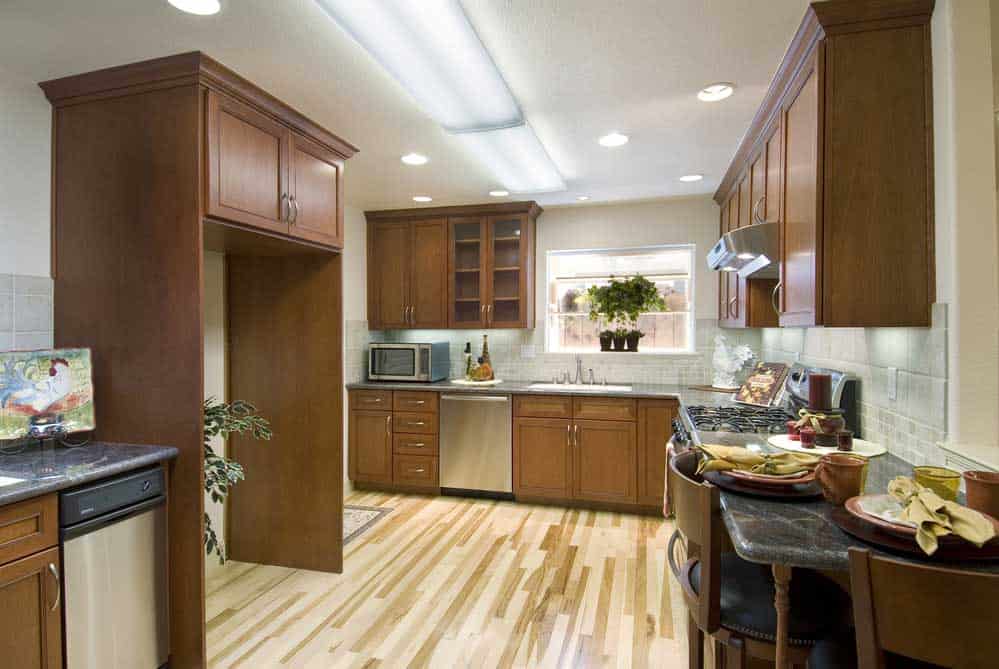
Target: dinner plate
[884,511]
[867,449]
[771,479]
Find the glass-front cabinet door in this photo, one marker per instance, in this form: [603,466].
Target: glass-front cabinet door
[508,239]
[467,292]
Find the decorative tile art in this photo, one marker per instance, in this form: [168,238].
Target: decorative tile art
[44,393]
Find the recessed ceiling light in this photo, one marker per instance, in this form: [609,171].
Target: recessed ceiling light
[583,198]
[688,178]
[199,7]
[715,92]
[499,193]
[746,256]
[414,159]
[422,198]
[613,139]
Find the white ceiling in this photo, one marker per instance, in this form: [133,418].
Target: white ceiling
[579,68]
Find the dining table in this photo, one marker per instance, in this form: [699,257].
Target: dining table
[789,534]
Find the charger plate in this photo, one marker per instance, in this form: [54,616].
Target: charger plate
[867,449]
[771,480]
[802,491]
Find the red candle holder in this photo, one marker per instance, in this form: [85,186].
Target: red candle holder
[807,436]
[844,440]
[793,430]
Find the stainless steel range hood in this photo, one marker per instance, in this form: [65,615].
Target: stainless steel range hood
[752,251]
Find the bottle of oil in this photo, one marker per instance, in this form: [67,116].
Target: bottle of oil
[485,364]
[468,360]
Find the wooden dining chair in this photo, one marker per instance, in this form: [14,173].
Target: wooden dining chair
[731,599]
[916,615]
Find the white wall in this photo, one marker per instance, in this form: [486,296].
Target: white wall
[215,370]
[25,159]
[355,333]
[676,220]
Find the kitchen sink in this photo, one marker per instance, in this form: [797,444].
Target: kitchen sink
[7,480]
[591,387]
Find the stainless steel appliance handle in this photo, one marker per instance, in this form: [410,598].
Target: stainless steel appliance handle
[476,398]
[773,297]
[58,582]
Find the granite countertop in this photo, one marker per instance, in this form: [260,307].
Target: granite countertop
[802,533]
[46,469]
[638,390]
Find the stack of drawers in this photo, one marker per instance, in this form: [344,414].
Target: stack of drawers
[393,439]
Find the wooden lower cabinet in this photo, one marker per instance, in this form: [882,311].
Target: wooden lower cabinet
[603,461]
[30,612]
[370,446]
[542,462]
[655,420]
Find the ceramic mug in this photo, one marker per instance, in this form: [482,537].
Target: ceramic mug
[841,476]
[982,491]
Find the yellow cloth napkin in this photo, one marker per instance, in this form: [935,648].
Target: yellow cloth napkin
[720,458]
[936,517]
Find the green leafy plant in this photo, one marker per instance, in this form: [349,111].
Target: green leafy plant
[221,473]
[621,302]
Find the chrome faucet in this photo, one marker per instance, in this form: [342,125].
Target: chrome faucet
[579,370]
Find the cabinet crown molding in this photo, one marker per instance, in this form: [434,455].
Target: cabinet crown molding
[529,207]
[193,67]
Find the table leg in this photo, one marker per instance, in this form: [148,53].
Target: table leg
[782,603]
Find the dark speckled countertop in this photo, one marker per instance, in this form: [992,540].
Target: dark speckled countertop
[46,469]
[638,390]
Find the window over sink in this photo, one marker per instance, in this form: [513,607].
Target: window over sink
[568,328]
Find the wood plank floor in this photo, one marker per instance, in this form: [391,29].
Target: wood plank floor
[449,582]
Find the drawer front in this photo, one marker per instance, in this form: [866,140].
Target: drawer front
[604,408]
[371,400]
[28,527]
[542,406]
[418,470]
[414,423]
[414,444]
[414,401]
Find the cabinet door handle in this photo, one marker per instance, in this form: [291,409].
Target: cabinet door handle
[575,434]
[370,400]
[773,297]
[568,435]
[489,314]
[418,444]
[388,425]
[284,203]
[418,470]
[293,201]
[418,423]
[731,303]
[58,582]
[756,210]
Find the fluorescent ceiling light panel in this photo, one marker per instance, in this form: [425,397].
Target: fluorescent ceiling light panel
[432,49]
[516,157]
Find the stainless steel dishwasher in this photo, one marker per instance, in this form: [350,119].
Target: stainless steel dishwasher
[476,451]
[114,572]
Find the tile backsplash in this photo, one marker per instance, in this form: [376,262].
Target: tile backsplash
[511,352]
[25,312]
[912,423]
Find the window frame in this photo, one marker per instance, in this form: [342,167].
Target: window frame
[551,317]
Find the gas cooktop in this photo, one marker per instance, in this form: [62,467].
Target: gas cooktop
[738,419]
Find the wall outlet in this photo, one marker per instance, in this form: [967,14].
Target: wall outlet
[528,351]
[893,383]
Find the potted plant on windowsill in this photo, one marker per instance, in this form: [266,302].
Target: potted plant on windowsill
[606,339]
[621,302]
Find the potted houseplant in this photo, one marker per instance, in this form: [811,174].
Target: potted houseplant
[221,473]
[606,339]
[638,295]
[620,339]
[631,339]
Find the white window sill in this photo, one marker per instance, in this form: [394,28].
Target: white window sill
[625,354]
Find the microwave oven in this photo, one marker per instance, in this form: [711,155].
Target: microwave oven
[409,362]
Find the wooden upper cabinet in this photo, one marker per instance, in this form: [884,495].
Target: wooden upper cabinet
[31,618]
[468,285]
[389,253]
[846,132]
[315,191]
[247,165]
[800,290]
[407,274]
[470,267]
[264,174]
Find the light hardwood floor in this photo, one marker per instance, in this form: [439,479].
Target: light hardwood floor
[449,582]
